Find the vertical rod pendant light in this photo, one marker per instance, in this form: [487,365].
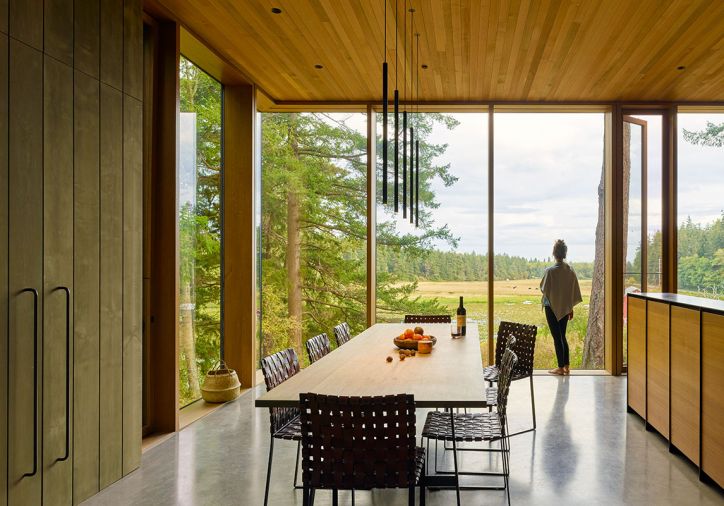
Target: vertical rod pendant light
[404,119]
[417,142]
[412,173]
[384,114]
[412,131]
[397,122]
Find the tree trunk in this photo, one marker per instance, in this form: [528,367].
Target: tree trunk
[294,247]
[593,346]
[187,347]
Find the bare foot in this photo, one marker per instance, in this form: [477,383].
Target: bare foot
[558,371]
[567,370]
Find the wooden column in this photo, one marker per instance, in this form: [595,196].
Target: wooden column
[239,320]
[3,252]
[371,216]
[163,328]
[669,226]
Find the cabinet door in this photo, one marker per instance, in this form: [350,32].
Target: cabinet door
[25,268]
[712,385]
[657,359]
[685,379]
[58,283]
[637,355]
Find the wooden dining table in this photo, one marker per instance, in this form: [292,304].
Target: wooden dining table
[449,377]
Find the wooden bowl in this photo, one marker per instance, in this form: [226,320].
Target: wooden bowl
[410,344]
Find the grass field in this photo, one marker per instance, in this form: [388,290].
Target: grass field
[515,300]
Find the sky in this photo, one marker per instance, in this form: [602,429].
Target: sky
[547,171]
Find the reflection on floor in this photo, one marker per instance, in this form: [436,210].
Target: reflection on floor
[587,450]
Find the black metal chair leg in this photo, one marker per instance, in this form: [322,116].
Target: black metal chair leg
[455,457]
[268,472]
[335,497]
[410,495]
[422,491]
[305,496]
[296,465]
[532,400]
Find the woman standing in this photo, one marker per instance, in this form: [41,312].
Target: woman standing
[560,294]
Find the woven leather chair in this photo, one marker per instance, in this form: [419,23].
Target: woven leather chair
[478,427]
[317,347]
[359,443]
[524,348]
[342,334]
[428,318]
[283,422]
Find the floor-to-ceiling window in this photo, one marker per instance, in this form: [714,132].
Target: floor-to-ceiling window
[313,227]
[199,232]
[549,185]
[426,266]
[700,205]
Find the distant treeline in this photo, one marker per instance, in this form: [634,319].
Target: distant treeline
[454,266]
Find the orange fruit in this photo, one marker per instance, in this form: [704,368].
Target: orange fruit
[409,333]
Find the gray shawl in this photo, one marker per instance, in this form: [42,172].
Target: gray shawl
[560,286]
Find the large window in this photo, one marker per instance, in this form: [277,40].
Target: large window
[548,186]
[424,269]
[199,222]
[313,227]
[701,204]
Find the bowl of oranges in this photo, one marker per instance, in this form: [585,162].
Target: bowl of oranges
[410,338]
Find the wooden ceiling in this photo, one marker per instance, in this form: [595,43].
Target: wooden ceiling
[475,50]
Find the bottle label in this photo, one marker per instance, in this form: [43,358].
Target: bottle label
[461,321]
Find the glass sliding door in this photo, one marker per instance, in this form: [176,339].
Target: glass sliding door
[549,185]
[199,233]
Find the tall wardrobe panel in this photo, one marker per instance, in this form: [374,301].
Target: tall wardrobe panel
[58,283]
[86,52]
[25,272]
[3,259]
[87,288]
[132,280]
[111,18]
[25,22]
[111,282]
[58,30]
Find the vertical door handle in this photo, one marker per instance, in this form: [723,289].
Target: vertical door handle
[67,372]
[35,380]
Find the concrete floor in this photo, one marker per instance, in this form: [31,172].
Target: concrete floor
[587,451]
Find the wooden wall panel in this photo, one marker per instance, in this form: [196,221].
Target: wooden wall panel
[685,378]
[133,49]
[87,36]
[111,18]
[86,282]
[637,355]
[132,280]
[58,272]
[657,359]
[25,266]
[58,29]
[3,258]
[239,233]
[712,385]
[3,29]
[25,22]
[111,285]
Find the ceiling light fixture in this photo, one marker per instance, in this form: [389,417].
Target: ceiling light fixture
[424,66]
[384,113]
[276,10]
[318,66]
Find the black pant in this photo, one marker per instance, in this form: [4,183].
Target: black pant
[558,331]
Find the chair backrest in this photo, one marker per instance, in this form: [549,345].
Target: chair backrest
[278,368]
[524,346]
[358,442]
[507,365]
[342,334]
[428,318]
[317,347]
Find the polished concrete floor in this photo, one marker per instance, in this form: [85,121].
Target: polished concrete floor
[587,451]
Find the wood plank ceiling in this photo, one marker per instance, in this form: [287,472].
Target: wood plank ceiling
[475,50]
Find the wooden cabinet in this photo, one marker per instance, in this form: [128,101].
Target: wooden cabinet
[712,384]
[676,370]
[637,355]
[657,366]
[685,381]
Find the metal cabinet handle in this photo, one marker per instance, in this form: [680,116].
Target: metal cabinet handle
[67,372]
[35,380]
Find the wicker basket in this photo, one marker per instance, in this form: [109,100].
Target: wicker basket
[220,385]
[411,344]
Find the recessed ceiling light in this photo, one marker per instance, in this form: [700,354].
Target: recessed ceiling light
[318,66]
[680,67]
[424,66]
[276,10]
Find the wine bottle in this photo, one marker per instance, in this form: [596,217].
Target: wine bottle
[461,318]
